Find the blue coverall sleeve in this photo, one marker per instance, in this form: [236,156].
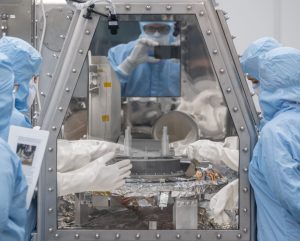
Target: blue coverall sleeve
[7,180]
[282,170]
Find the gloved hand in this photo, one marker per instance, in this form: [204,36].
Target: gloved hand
[95,176]
[72,155]
[138,55]
[216,152]
[227,198]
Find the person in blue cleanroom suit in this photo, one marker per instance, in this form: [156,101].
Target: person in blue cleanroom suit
[141,74]
[26,63]
[13,187]
[274,171]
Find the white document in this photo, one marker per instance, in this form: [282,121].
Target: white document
[29,145]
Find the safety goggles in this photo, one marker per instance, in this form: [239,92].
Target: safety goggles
[153,28]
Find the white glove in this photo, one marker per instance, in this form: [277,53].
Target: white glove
[226,199]
[215,152]
[95,176]
[138,55]
[72,155]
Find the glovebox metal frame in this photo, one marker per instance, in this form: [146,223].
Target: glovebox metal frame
[234,88]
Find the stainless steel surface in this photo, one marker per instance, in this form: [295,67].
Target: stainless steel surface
[185,213]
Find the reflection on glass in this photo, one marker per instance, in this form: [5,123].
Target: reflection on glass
[182,145]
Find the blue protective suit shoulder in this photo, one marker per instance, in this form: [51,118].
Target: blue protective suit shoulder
[148,79]
[13,189]
[274,174]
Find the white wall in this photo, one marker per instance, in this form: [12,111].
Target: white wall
[252,19]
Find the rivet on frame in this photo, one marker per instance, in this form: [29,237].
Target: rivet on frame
[242,128]
[219,236]
[201,13]
[168,7]
[238,235]
[117,236]
[178,236]
[49,75]
[226,17]
[245,210]
[60,108]
[245,169]
[80,51]
[50,189]
[50,149]
[62,36]
[202,3]
[137,236]
[228,90]
[208,32]
[215,51]
[245,149]
[198,236]
[222,71]
[245,189]
[97,236]
[53,128]
[235,109]
[77,236]
[233,37]
[87,32]
[189,7]
[43,94]
[56,235]
[50,169]
[73,70]
[50,210]
[67,90]
[127,7]
[245,230]
[157,235]
[50,229]
[148,7]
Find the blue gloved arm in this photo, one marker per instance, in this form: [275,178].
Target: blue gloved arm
[282,170]
[7,180]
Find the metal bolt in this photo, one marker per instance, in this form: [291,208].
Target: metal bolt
[219,236]
[245,210]
[226,17]
[148,7]
[50,230]
[50,149]
[49,75]
[137,236]
[42,93]
[157,235]
[208,32]
[201,13]
[50,169]
[215,51]
[77,236]
[50,210]
[60,108]
[56,235]
[228,90]
[245,230]
[245,169]
[242,128]
[168,7]
[127,7]
[53,128]
[233,37]
[87,32]
[62,36]
[117,236]
[245,189]
[222,71]
[73,70]
[188,7]
[245,149]
[238,235]
[67,90]
[50,189]
[80,51]
[235,109]
[198,236]
[178,236]
[97,236]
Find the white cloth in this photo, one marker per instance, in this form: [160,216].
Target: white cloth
[138,55]
[94,176]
